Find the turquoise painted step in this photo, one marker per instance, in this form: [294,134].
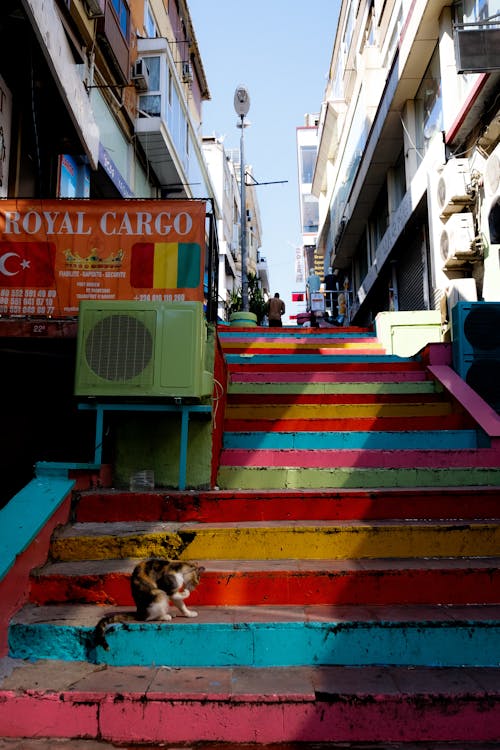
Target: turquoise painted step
[431,440]
[301,335]
[305,359]
[265,637]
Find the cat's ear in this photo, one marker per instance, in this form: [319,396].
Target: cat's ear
[200,568]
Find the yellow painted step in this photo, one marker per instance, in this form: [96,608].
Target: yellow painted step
[277,540]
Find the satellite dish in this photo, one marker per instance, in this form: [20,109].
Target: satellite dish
[241,101]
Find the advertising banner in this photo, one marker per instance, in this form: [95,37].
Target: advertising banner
[55,253]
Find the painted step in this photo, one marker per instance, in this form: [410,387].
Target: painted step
[435,440]
[371,387]
[267,637]
[361,458]
[294,334]
[356,398]
[350,362]
[349,423]
[274,540]
[273,411]
[306,378]
[365,347]
[286,478]
[286,582]
[131,705]
[266,505]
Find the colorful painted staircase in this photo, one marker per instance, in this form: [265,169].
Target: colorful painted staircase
[352,584]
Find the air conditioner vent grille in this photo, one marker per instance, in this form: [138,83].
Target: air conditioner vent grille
[119,348]
[482,327]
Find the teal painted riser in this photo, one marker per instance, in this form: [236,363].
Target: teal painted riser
[355,643]
[431,440]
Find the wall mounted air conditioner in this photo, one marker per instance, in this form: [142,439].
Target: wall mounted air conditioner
[476,347]
[140,75]
[453,191]
[94,8]
[457,237]
[492,175]
[142,349]
[187,72]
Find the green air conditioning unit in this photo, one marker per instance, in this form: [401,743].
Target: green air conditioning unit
[476,347]
[143,349]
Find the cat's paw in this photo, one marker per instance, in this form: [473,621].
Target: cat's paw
[165,618]
[191,613]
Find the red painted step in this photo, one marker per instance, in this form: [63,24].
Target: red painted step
[454,421]
[315,505]
[247,364]
[286,582]
[333,398]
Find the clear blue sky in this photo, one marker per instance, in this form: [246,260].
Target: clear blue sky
[280,50]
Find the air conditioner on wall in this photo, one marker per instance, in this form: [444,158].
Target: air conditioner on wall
[140,75]
[95,8]
[453,191]
[492,174]
[142,349]
[476,347]
[457,237]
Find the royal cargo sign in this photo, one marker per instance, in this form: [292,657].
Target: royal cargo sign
[56,253]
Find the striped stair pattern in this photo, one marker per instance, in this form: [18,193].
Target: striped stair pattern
[373,432]
[344,611]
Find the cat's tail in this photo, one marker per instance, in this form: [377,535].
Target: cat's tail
[99,634]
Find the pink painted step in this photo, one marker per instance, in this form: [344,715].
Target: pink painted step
[275,705]
[394,459]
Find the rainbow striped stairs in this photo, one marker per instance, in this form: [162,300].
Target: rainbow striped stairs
[352,584]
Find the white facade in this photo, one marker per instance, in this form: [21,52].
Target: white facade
[405,142]
[224,170]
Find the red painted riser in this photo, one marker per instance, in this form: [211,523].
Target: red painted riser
[308,367]
[361,424]
[413,376]
[369,459]
[461,585]
[334,398]
[229,506]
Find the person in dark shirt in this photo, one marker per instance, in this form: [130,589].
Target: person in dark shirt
[275,308]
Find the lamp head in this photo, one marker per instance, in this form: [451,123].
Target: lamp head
[241,101]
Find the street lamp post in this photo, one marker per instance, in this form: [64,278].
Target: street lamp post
[241,106]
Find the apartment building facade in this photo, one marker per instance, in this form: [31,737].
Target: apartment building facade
[100,100]
[407,166]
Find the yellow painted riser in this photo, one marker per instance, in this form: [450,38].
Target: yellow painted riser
[335,411]
[310,543]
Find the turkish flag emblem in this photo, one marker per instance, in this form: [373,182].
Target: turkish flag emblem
[27,264]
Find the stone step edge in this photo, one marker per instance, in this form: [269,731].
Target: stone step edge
[272,683]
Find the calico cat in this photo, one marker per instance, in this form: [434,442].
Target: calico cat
[155,583]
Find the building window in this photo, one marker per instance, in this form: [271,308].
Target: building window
[310,214]
[121,10]
[308,160]
[150,103]
[429,105]
[149,22]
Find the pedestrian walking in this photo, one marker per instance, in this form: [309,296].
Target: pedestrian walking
[275,308]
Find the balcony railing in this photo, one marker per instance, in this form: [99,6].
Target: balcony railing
[477,45]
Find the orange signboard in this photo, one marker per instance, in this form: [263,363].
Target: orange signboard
[55,253]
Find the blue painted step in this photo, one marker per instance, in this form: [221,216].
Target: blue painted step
[417,440]
[268,636]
